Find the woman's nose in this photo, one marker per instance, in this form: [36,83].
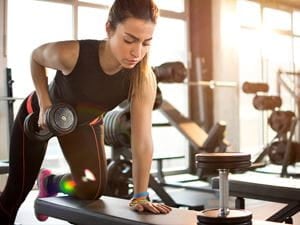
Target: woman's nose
[136,50]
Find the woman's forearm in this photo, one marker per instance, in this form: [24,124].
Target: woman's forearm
[142,160]
[40,81]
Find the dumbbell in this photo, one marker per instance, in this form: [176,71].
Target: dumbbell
[117,128]
[119,174]
[61,119]
[223,162]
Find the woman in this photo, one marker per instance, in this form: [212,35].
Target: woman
[94,77]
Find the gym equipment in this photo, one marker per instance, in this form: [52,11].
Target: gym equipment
[61,119]
[158,99]
[213,141]
[4,98]
[277,151]
[117,125]
[117,128]
[112,211]
[9,98]
[282,149]
[119,184]
[281,121]
[291,89]
[193,132]
[223,162]
[177,73]
[119,174]
[170,72]
[266,102]
[212,83]
[117,135]
[10,103]
[253,88]
[265,187]
[261,101]
[108,211]
[4,166]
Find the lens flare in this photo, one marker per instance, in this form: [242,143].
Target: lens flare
[88,176]
[68,187]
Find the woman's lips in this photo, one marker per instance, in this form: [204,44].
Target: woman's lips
[132,61]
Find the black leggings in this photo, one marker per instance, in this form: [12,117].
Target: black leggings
[83,150]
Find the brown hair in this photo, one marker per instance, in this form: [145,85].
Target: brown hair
[139,9]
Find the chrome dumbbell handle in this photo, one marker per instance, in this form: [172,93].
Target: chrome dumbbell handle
[223,192]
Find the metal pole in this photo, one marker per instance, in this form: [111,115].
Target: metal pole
[224,193]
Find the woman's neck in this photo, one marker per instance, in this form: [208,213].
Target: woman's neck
[108,62]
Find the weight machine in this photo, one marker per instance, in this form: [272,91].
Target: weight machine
[282,150]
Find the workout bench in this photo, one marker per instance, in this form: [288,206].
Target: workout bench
[112,211]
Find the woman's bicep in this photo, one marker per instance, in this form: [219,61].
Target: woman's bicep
[57,55]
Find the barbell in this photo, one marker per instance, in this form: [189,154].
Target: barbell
[5,98]
[211,84]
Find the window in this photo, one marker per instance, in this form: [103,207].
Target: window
[269,41]
[104,2]
[91,23]
[30,24]
[166,48]
[275,19]
[296,23]
[176,5]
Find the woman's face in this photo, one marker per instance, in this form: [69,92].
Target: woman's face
[130,41]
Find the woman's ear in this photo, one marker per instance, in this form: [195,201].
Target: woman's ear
[108,29]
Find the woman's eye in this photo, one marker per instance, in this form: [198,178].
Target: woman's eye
[147,43]
[128,41]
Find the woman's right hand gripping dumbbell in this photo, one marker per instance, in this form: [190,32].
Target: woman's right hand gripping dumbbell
[42,117]
[56,120]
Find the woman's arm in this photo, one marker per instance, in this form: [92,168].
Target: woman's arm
[141,137]
[59,56]
[141,142]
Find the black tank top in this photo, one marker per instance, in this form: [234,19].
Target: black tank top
[87,87]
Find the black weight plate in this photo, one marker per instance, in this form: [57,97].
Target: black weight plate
[61,119]
[32,130]
[235,217]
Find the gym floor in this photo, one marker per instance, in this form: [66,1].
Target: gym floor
[260,209]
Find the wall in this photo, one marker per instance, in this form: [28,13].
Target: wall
[225,67]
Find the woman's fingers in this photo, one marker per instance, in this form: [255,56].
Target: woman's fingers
[149,206]
[143,204]
[155,208]
[163,208]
